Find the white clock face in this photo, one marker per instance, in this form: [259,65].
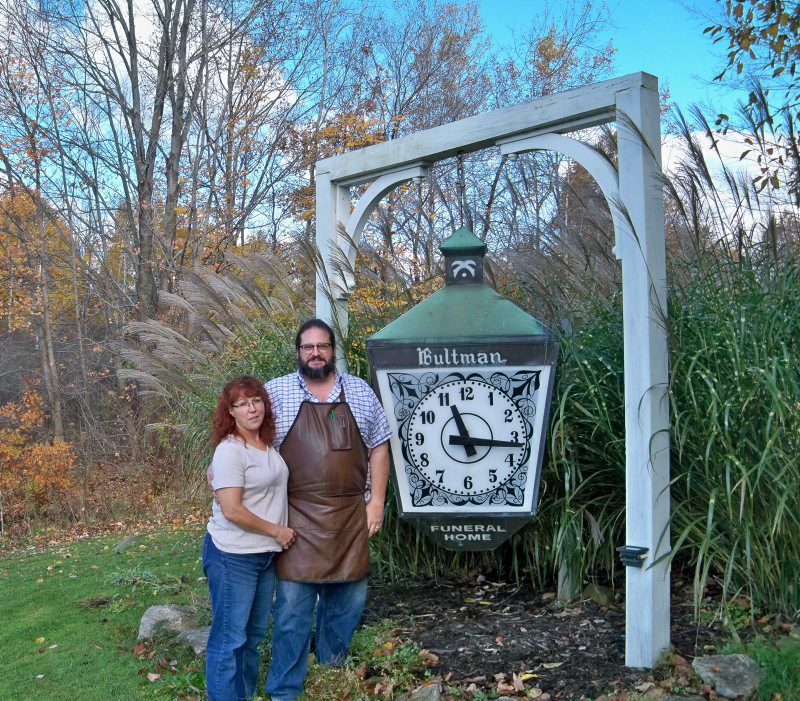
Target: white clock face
[466,440]
[466,437]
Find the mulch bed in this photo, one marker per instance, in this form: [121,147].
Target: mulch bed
[481,629]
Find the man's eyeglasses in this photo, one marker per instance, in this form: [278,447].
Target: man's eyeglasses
[255,402]
[308,347]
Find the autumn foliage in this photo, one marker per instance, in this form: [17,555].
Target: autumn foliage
[34,475]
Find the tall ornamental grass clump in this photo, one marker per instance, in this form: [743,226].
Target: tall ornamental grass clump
[240,320]
[735,391]
[734,331]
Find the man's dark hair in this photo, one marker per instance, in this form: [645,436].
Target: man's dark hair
[314,324]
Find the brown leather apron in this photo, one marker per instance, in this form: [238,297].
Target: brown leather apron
[327,462]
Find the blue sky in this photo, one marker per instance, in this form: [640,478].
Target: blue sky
[661,37]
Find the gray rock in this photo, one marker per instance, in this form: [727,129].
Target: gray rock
[602,596]
[430,692]
[196,638]
[159,619]
[731,676]
[692,697]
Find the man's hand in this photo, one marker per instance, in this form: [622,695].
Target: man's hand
[379,472]
[209,482]
[374,516]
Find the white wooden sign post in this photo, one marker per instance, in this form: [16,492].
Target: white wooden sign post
[633,192]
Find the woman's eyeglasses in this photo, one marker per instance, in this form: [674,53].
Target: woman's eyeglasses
[254,402]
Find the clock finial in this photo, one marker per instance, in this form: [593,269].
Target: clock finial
[463,258]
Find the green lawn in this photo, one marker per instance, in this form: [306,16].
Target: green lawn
[70,615]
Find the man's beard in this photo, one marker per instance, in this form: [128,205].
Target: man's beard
[319,373]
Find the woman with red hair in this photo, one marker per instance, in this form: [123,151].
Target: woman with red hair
[246,531]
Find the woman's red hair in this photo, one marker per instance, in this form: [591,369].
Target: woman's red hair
[224,425]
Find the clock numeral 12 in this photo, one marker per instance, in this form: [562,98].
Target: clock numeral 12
[466,393]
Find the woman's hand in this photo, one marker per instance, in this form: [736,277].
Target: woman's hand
[285,537]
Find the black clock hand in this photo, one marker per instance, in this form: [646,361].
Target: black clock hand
[463,433]
[469,440]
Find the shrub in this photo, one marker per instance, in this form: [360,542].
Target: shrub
[35,477]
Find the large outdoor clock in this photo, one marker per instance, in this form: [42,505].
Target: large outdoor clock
[465,378]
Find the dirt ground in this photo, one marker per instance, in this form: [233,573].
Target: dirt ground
[481,629]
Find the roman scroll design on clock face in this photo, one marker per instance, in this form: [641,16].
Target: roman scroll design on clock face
[464,436]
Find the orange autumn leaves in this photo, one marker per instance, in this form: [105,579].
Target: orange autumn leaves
[32,473]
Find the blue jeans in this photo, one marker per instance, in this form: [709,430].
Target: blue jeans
[241,588]
[339,608]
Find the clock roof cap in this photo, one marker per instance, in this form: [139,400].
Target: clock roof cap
[463,242]
[463,313]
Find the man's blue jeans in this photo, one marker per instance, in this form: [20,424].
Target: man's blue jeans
[241,588]
[339,610]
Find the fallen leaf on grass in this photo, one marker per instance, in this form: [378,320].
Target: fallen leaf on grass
[40,639]
[139,649]
[429,658]
[519,685]
[152,676]
[551,665]
[504,688]
[381,688]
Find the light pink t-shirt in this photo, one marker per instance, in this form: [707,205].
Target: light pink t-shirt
[263,476]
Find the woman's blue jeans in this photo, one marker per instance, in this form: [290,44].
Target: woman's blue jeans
[338,611]
[241,588]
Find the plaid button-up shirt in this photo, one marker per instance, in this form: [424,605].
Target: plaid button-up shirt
[288,392]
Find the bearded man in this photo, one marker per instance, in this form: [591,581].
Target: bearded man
[333,434]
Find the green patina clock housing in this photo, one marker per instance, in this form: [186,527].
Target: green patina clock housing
[465,378]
